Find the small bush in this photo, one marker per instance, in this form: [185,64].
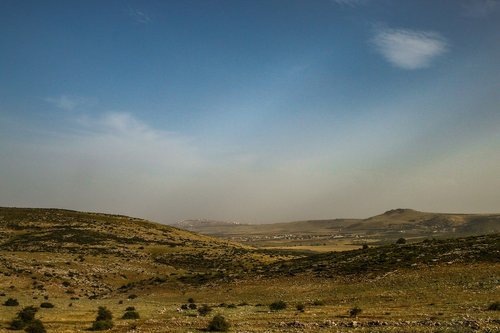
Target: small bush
[300,307]
[133,296]
[17,324]
[184,307]
[495,306]
[355,311]
[319,302]
[192,306]
[130,308]
[103,320]
[11,302]
[35,326]
[131,315]
[191,300]
[27,314]
[46,305]
[102,325]
[276,306]
[204,310]
[103,314]
[26,319]
[365,246]
[401,241]
[218,324]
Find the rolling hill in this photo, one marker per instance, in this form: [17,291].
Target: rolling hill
[385,227]
[78,261]
[94,254]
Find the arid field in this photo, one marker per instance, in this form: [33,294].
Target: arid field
[177,281]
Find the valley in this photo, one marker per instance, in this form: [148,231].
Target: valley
[79,261]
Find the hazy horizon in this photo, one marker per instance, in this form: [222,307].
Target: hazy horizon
[250,111]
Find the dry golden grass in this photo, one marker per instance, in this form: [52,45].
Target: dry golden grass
[408,300]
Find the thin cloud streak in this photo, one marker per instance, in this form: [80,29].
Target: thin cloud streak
[480,8]
[409,49]
[351,3]
[66,102]
[139,16]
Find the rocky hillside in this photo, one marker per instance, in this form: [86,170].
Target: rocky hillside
[391,258]
[101,253]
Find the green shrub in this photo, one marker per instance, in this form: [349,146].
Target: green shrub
[103,320]
[191,300]
[17,324]
[130,308]
[204,310]
[184,307]
[319,302]
[35,326]
[278,305]
[355,311]
[102,325]
[27,314]
[192,306]
[132,296]
[103,314]
[401,241]
[26,319]
[300,307]
[495,306]
[46,305]
[218,324]
[131,315]
[11,302]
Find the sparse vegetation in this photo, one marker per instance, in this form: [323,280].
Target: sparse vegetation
[204,310]
[218,324]
[103,320]
[35,326]
[131,314]
[355,311]
[11,302]
[25,319]
[422,287]
[46,305]
[495,306]
[401,241]
[278,305]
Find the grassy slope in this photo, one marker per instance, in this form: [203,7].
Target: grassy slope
[400,288]
[98,253]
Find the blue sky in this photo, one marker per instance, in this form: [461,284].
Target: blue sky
[255,111]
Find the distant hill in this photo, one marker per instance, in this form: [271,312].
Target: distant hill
[389,225]
[193,225]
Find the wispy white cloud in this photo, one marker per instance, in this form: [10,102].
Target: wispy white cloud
[139,16]
[409,49]
[351,3]
[66,102]
[480,8]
